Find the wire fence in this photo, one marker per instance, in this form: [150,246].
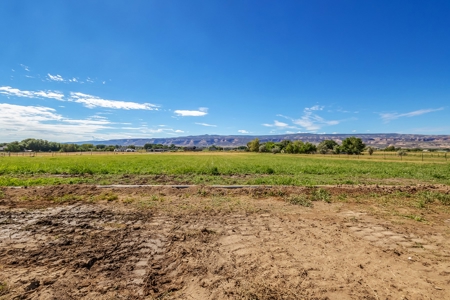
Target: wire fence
[378,155]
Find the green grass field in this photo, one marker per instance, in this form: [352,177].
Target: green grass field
[218,168]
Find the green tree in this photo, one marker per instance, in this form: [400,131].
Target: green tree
[298,145]
[352,145]
[14,147]
[337,149]
[269,145]
[308,148]
[322,148]
[69,148]
[370,150]
[326,146]
[391,148]
[86,147]
[289,148]
[253,146]
[283,144]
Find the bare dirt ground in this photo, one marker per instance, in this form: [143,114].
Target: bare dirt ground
[84,242]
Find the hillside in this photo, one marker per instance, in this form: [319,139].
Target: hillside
[377,140]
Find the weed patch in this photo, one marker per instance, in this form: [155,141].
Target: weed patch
[427,197]
[3,288]
[301,200]
[320,195]
[108,196]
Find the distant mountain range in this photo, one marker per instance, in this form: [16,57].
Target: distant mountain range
[380,140]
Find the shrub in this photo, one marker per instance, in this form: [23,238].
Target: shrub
[401,153]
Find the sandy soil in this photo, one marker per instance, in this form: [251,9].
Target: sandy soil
[83,242]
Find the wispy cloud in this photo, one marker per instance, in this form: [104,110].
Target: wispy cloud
[20,122]
[55,78]
[243,131]
[92,102]
[387,117]
[277,124]
[205,124]
[310,120]
[9,91]
[152,131]
[25,67]
[202,111]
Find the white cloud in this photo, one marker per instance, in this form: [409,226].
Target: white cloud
[392,116]
[146,130]
[25,67]
[73,80]
[92,102]
[55,78]
[20,122]
[243,131]
[9,91]
[89,80]
[315,107]
[202,111]
[205,124]
[311,121]
[278,124]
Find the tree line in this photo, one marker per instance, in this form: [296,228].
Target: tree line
[351,145]
[38,145]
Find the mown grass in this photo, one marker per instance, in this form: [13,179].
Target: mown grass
[213,168]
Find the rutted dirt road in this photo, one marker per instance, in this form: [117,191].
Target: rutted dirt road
[81,242]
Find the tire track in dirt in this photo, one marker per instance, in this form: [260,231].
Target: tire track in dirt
[278,251]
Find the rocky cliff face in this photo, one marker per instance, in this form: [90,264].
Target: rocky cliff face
[376,140]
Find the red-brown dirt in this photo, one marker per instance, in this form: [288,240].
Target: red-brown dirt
[85,242]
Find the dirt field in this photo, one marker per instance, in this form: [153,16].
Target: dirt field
[84,242]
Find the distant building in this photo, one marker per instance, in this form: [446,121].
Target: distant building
[123,149]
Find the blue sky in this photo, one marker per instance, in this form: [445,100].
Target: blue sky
[84,70]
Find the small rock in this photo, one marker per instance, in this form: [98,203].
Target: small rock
[34,284]
[48,281]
